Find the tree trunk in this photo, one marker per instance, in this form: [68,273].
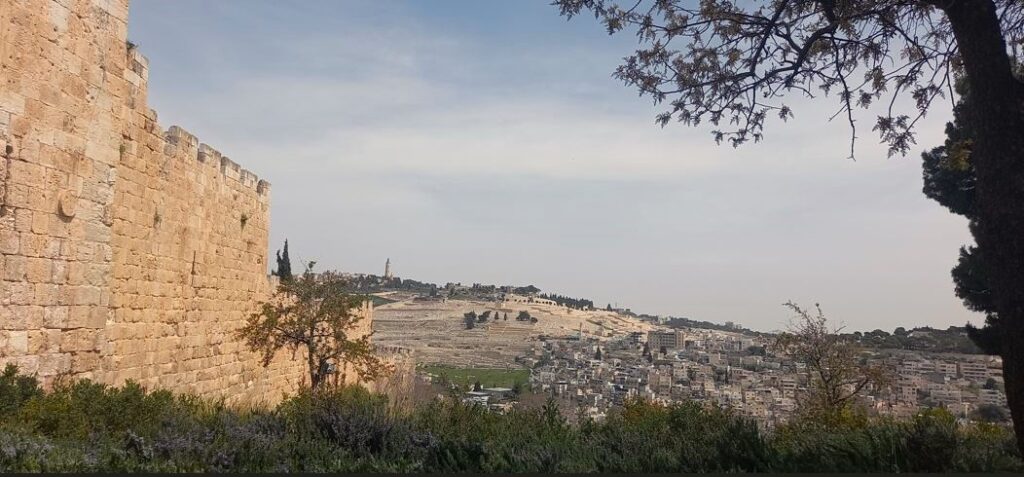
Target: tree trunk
[314,374]
[997,117]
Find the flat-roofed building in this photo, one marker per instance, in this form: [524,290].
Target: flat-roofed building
[668,339]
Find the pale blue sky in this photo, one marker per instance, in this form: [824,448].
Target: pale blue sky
[487,142]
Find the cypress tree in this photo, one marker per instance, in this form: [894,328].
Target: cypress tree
[284,264]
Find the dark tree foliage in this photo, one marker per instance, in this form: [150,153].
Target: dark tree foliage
[733,63]
[950,180]
[954,339]
[527,290]
[990,413]
[284,264]
[574,303]
[674,322]
[469,319]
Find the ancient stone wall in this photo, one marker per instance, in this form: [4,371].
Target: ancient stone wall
[127,251]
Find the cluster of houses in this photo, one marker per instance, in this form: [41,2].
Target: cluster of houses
[738,371]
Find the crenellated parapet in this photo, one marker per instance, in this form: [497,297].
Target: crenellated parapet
[184,144]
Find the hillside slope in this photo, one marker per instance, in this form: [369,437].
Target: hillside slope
[435,329]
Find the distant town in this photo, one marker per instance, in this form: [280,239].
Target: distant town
[737,371]
[593,358]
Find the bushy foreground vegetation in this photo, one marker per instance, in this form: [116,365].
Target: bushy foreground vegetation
[84,426]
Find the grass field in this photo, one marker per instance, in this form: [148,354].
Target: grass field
[488,377]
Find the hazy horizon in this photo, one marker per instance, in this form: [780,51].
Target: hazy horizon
[487,143]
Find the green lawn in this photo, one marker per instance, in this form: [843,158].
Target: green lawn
[488,377]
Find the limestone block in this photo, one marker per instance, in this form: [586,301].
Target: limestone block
[16,194]
[43,341]
[66,295]
[10,242]
[79,317]
[68,250]
[37,270]
[23,220]
[54,364]
[51,247]
[40,222]
[31,244]
[96,274]
[87,295]
[45,294]
[58,271]
[81,339]
[85,252]
[26,172]
[42,200]
[14,343]
[16,268]
[85,362]
[56,317]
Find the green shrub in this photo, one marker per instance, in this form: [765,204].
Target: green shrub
[83,408]
[16,390]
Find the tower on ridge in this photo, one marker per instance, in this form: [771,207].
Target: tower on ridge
[387,269]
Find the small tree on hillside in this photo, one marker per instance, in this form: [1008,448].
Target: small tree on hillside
[469,319]
[318,316]
[836,374]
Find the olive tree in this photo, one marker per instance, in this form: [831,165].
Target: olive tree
[734,63]
[315,314]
